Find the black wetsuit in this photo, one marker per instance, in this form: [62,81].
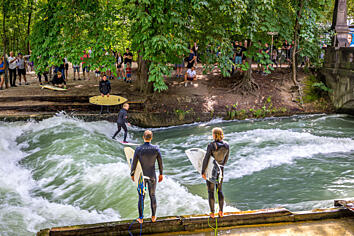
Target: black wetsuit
[122,119]
[147,155]
[105,87]
[220,151]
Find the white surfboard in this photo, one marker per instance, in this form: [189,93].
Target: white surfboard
[129,154]
[129,144]
[196,157]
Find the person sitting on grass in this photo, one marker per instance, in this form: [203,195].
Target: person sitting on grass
[128,73]
[105,89]
[190,75]
[58,80]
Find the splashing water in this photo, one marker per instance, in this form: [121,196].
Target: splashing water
[64,171]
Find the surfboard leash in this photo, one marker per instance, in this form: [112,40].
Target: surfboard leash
[217,203]
[141,192]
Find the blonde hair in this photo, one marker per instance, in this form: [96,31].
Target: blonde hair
[126,105]
[218,134]
[147,135]
[59,73]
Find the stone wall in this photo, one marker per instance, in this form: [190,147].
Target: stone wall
[338,70]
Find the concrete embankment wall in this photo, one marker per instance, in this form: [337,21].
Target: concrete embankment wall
[192,224]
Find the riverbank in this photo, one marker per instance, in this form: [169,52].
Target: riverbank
[207,98]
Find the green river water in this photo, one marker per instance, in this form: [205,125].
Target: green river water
[64,171]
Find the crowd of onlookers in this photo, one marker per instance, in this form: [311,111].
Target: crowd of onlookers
[19,65]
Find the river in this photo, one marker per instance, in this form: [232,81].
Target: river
[64,171]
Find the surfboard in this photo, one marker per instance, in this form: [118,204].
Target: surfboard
[129,154]
[51,87]
[196,157]
[129,144]
[107,101]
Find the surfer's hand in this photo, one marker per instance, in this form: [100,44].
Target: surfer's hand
[204,176]
[102,94]
[160,178]
[107,94]
[132,177]
[129,124]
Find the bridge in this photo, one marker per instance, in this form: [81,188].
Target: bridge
[338,67]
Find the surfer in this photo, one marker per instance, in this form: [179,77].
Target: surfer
[147,155]
[105,89]
[219,150]
[122,119]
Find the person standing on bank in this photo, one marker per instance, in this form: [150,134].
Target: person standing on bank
[122,119]
[105,89]
[12,69]
[128,58]
[147,155]
[219,150]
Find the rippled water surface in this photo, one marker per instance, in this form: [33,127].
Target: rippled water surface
[64,171]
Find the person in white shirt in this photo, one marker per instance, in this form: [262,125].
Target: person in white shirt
[190,75]
[21,68]
[12,69]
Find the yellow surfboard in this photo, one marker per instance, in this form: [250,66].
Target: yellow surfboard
[51,87]
[107,101]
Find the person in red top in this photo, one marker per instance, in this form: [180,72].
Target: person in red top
[128,73]
[85,68]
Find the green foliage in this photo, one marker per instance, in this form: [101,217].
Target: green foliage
[266,110]
[315,89]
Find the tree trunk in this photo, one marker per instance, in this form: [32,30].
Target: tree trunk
[296,43]
[5,40]
[246,84]
[143,75]
[29,26]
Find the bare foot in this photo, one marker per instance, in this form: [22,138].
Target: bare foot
[140,220]
[212,215]
[221,214]
[153,219]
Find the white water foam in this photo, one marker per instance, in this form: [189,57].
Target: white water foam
[285,147]
[22,212]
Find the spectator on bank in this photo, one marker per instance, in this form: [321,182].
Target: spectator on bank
[2,72]
[105,89]
[128,73]
[275,56]
[128,58]
[286,49]
[195,51]
[66,67]
[21,69]
[76,69]
[191,59]
[179,68]
[190,76]
[119,66]
[85,67]
[244,49]
[97,73]
[238,51]
[12,69]
[58,80]
[45,74]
